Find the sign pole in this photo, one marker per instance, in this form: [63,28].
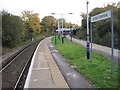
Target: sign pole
[71,33]
[103,16]
[62,29]
[112,33]
[55,38]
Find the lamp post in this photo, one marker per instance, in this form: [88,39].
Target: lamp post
[54,31]
[58,31]
[62,21]
[88,35]
[71,33]
[118,6]
[55,38]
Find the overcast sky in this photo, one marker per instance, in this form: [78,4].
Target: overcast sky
[46,7]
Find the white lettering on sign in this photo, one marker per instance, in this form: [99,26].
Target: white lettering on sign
[101,16]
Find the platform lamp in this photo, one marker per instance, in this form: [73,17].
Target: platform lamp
[118,6]
[62,22]
[88,34]
[54,31]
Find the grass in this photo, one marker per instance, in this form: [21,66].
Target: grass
[98,71]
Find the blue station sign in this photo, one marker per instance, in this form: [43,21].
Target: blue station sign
[102,16]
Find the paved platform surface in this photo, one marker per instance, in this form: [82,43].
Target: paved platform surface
[43,72]
[73,77]
[99,48]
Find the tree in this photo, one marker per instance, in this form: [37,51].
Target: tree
[60,22]
[48,24]
[12,27]
[31,23]
[66,24]
[83,15]
[102,29]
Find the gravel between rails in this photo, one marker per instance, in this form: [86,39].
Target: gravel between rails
[11,73]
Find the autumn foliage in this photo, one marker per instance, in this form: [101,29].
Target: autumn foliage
[31,23]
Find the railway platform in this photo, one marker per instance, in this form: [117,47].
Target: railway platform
[43,71]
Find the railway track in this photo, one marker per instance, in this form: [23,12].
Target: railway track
[15,69]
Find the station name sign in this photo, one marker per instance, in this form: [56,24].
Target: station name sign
[101,16]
